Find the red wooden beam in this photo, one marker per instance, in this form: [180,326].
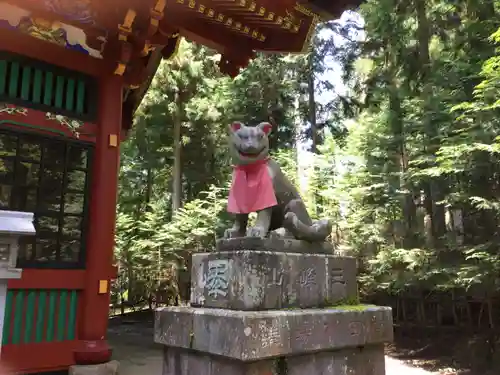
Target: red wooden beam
[36,121]
[100,238]
[50,279]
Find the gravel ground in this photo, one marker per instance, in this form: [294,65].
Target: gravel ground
[398,367]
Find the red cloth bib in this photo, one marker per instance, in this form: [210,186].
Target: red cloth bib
[251,189]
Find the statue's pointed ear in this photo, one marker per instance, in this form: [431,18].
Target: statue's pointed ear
[265,127]
[235,126]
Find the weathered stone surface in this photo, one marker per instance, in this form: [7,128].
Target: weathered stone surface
[274,244]
[109,368]
[184,362]
[250,336]
[263,280]
[368,360]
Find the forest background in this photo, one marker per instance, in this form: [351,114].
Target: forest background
[404,158]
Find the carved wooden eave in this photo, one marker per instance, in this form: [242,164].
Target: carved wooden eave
[133,97]
[132,36]
[329,10]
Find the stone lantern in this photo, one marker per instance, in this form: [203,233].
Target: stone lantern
[13,225]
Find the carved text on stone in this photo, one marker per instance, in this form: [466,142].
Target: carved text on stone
[376,326]
[217,281]
[270,334]
[308,277]
[276,278]
[355,328]
[337,276]
[303,333]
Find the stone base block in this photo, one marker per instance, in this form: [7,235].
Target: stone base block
[255,336]
[109,368]
[368,360]
[185,362]
[274,244]
[264,280]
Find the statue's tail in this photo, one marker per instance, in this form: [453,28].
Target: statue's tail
[317,232]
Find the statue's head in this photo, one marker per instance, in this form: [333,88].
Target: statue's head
[249,144]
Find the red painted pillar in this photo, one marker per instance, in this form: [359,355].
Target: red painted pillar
[93,319]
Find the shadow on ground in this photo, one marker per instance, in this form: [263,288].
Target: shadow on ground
[131,337]
[461,351]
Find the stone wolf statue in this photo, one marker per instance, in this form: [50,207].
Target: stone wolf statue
[259,185]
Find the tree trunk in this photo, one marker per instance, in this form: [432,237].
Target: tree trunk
[399,147]
[122,300]
[130,275]
[177,170]
[312,103]
[434,186]
[149,186]
[314,130]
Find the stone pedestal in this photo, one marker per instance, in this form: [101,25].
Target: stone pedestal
[259,312]
[263,280]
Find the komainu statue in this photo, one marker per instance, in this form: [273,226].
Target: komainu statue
[260,186]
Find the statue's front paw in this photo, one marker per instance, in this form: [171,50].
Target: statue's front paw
[256,232]
[281,233]
[323,227]
[290,220]
[233,233]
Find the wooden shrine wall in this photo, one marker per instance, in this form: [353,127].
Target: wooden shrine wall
[48,119]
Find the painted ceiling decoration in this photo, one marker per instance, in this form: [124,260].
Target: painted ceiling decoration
[62,34]
[72,10]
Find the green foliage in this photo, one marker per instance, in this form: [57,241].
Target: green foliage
[411,181]
[287,159]
[421,190]
[194,227]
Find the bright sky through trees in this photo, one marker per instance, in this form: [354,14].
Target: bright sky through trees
[334,76]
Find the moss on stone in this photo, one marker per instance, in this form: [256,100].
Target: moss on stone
[359,307]
[346,302]
[341,306]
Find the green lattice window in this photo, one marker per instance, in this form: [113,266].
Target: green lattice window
[41,86]
[50,177]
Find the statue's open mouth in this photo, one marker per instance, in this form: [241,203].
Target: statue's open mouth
[251,154]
